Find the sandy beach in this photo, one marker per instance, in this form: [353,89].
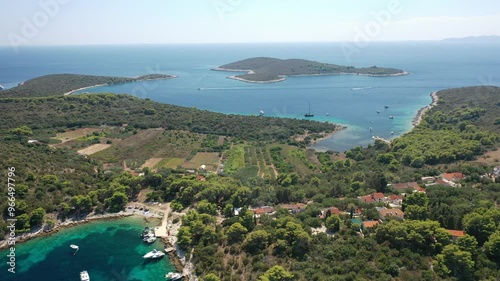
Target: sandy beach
[420,113]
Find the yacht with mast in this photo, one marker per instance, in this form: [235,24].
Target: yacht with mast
[309,114]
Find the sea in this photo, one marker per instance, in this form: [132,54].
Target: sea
[349,100]
[112,250]
[109,250]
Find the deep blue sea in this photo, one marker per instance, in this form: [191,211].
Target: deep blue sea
[110,250]
[348,99]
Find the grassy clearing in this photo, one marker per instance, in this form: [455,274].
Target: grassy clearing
[235,159]
[209,159]
[75,134]
[170,163]
[151,143]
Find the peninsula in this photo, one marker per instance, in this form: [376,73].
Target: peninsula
[269,70]
[65,84]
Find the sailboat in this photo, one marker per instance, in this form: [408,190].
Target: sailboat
[75,247]
[309,114]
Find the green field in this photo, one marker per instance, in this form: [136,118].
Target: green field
[170,163]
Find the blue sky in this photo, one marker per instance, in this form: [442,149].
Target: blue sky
[82,22]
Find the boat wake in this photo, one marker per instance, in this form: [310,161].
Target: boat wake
[361,88]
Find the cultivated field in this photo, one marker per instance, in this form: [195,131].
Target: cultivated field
[93,149]
[78,133]
[209,159]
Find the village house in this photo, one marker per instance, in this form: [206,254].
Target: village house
[263,210]
[373,198]
[451,179]
[394,212]
[332,210]
[455,233]
[369,225]
[294,208]
[393,200]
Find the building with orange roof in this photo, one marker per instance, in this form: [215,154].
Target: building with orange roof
[333,211]
[262,210]
[369,224]
[455,233]
[394,212]
[454,177]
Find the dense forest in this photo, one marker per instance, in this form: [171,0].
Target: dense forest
[316,229]
[49,113]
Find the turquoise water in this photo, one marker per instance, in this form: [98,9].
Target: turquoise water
[350,100]
[109,250]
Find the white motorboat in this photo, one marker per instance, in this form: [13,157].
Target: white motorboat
[154,254]
[150,239]
[84,276]
[73,246]
[173,276]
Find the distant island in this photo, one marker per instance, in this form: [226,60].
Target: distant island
[475,39]
[65,84]
[269,70]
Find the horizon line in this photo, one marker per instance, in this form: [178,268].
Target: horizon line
[255,42]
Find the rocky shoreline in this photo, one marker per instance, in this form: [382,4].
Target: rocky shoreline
[62,225]
[421,112]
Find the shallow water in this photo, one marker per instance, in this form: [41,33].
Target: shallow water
[109,250]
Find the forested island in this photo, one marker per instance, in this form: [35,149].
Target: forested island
[250,202]
[60,84]
[268,70]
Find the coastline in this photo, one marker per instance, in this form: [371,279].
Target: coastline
[108,84]
[166,231]
[324,135]
[282,78]
[63,225]
[421,112]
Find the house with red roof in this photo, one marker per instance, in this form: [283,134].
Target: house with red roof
[451,179]
[262,210]
[333,211]
[395,199]
[373,198]
[455,233]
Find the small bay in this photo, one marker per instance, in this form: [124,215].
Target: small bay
[108,249]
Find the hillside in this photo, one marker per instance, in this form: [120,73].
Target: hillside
[115,110]
[314,227]
[59,84]
[463,125]
[264,69]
